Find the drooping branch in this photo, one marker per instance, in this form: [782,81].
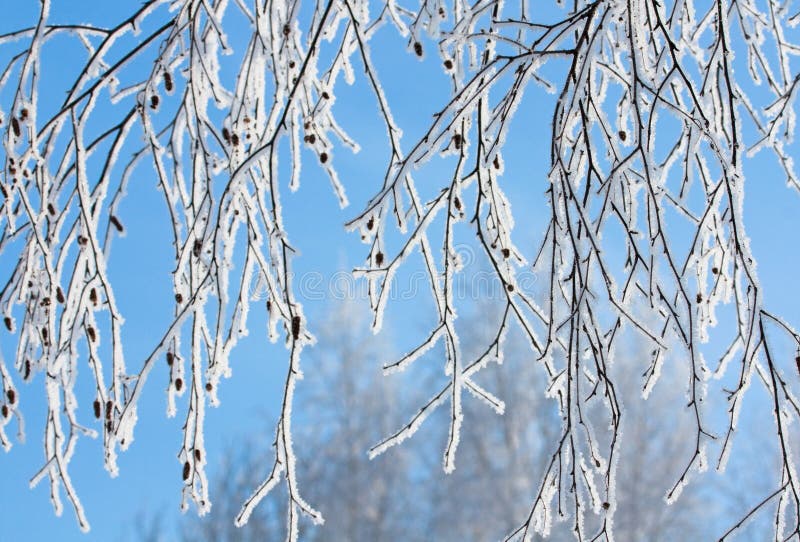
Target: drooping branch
[658,105]
[647,122]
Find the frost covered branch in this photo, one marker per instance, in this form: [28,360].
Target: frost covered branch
[658,106]
[648,123]
[64,190]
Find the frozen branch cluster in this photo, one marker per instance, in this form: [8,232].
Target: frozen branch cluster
[62,190]
[658,106]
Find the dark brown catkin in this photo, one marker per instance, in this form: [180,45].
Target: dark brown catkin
[295,327]
[117,224]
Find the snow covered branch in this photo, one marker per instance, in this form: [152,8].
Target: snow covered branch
[658,107]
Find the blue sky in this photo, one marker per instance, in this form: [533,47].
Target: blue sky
[149,476]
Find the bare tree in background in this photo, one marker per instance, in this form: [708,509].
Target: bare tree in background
[657,437]
[658,107]
[237,471]
[347,406]
[503,459]
[345,403]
